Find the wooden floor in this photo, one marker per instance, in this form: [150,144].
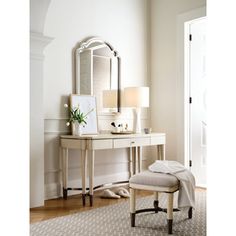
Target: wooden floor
[60,207]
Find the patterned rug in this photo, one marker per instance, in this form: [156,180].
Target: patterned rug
[115,220]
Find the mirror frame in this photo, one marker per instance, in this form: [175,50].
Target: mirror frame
[83,45]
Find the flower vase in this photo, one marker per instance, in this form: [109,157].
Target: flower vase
[76,129]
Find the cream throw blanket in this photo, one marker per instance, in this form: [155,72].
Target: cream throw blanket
[186,196]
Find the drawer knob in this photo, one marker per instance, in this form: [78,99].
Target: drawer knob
[133,142]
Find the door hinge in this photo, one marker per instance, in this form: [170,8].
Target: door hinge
[190,37]
[190,163]
[190,99]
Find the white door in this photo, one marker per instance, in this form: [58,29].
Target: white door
[197,89]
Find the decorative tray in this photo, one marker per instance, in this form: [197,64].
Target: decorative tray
[122,132]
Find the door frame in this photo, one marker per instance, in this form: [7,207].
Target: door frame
[187,90]
[182,90]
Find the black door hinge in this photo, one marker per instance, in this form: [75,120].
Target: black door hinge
[190,163]
[190,99]
[190,37]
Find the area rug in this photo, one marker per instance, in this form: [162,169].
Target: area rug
[115,220]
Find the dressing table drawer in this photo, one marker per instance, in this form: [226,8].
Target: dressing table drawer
[131,142]
[142,141]
[158,140]
[73,144]
[100,144]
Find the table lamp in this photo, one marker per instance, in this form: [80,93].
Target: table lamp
[137,97]
[109,99]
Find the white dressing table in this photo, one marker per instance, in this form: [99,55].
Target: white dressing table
[88,144]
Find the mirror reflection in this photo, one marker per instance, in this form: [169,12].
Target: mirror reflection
[98,74]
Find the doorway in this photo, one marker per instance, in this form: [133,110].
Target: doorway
[195,78]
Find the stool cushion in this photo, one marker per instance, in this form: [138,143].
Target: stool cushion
[154,179]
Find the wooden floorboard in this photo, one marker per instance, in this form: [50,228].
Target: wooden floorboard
[60,207]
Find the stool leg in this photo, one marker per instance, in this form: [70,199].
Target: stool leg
[169,224]
[132,206]
[156,202]
[190,213]
[170,212]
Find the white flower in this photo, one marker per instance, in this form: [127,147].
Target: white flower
[65,105]
[68,124]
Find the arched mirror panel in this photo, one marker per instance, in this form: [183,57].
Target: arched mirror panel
[98,74]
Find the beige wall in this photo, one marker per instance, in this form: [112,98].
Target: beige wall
[165,84]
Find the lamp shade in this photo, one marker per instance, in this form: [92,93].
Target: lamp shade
[136,97]
[109,98]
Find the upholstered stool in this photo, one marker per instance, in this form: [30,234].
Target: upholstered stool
[159,183]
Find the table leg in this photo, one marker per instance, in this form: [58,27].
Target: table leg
[161,152]
[61,169]
[158,152]
[91,176]
[139,159]
[134,160]
[65,171]
[84,173]
[131,162]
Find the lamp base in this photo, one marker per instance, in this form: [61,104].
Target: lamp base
[137,120]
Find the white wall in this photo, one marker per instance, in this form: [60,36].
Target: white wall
[38,42]
[123,24]
[165,83]
[38,11]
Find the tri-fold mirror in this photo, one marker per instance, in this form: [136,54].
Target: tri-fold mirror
[98,73]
